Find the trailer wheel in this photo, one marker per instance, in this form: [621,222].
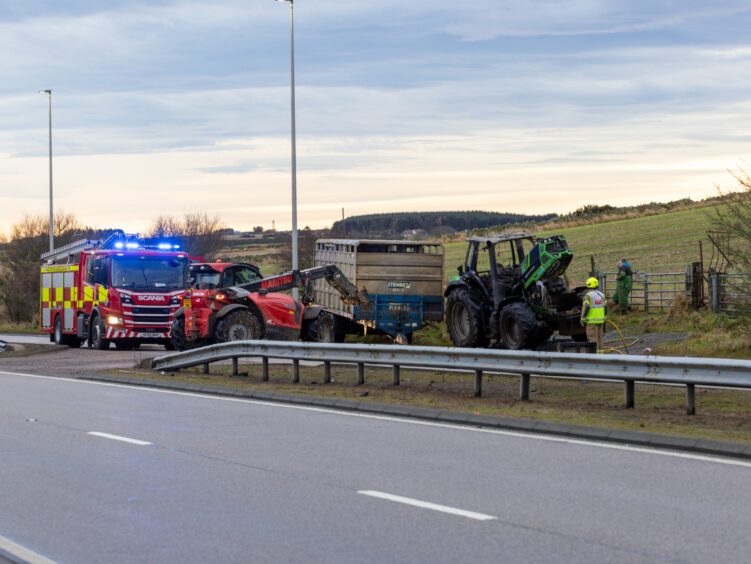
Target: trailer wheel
[518,326]
[464,320]
[178,340]
[239,325]
[328,328]
[98,332]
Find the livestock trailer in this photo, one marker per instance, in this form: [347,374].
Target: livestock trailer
[403,281]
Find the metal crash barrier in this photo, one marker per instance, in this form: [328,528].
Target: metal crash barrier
[691,372]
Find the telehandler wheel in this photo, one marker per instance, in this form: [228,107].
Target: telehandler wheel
[464,319]
[239,325]
[178,341]
[518,326]
[98,332]
[327,328]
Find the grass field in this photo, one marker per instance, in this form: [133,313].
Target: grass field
[667,242]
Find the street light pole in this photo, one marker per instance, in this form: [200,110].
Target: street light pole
[52,217]
[295,263]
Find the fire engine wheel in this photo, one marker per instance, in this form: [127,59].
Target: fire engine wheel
[178,341]
[519,326]
[327,328]
[239,325]
[98,331]
[464,319]
[58,332]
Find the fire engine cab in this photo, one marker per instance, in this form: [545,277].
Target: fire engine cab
[123,290]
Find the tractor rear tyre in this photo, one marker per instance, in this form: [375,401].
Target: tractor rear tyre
[178,340]
[327,328]
[519,327]
[239,325]
[464,319]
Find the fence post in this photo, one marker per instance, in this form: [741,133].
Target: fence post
[524,388]
[235,369]
[690,399]
[478,383]
[397,375]
[327,372]
[714,291]
[630,393]
[360,373]
[646,293]
[206,368]
[295,371]
[265,375]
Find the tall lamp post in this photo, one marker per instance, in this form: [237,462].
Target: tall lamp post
[52,217]
[295,264]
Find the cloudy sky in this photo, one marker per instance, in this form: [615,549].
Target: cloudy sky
[506,105]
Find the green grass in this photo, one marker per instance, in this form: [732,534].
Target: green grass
[721,415]
[666,242]
[26,328]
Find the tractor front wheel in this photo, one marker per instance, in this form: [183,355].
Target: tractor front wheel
[519,326]
[239,325]
[464,319]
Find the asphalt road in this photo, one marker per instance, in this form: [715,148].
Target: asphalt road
[25,339]
[91,472]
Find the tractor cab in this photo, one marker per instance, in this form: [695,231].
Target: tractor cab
[512,288]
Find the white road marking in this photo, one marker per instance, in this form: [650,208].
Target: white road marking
[465,428]
[119,438]
[428,505]
[16,551]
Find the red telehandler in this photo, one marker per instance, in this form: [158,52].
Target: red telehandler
[233,302]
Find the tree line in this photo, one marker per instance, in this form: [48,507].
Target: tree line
[432,223]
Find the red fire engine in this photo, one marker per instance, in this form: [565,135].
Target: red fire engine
[123,290]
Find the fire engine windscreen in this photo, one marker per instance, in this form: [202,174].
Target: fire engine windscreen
[149,273]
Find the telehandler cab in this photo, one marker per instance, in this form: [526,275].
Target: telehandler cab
[233,302]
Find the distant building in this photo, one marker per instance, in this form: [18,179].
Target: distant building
[414,234]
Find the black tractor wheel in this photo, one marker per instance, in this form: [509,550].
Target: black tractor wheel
[518,326]
[543,335]
[328,328]
[98,333]
[464,319]
[178,340]
[239,325]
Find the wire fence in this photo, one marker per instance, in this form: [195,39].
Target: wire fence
[730,293]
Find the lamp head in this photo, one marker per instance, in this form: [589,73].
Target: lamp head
[45,91]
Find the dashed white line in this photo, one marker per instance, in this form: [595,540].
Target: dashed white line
[119,438]
[428,505]
[20,553]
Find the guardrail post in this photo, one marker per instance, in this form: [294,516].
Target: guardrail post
[478,383]
[690,399]
[630,392]
[235,367]
[327,372]
[206,368]
[295,371]
[524,388]
[397,375]
[360,373]
[265,374]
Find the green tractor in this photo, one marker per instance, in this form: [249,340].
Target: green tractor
[512,290]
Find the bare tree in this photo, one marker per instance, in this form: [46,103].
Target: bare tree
[19,276]
[200,234]
[734,217]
